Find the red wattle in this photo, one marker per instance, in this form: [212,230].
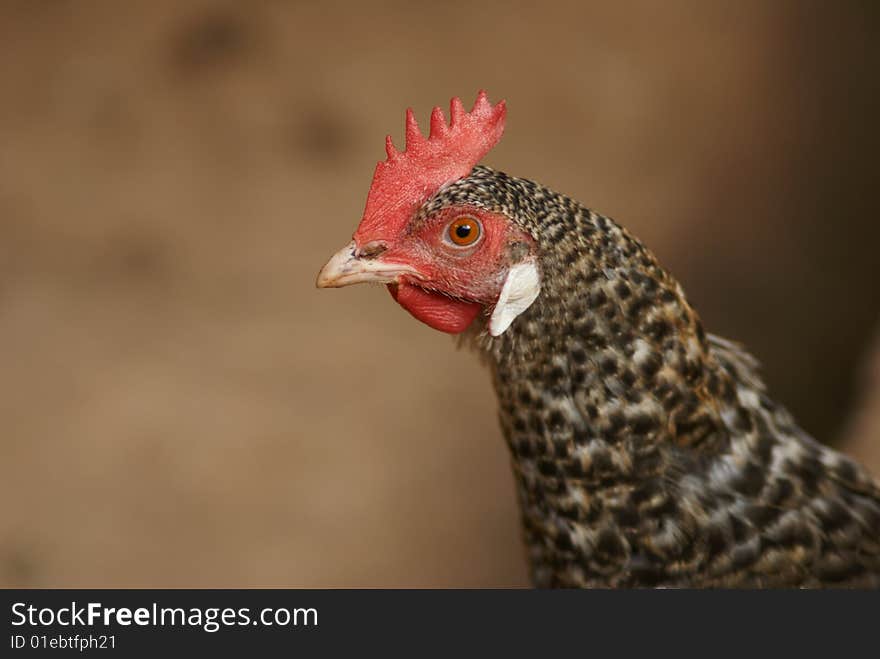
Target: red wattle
[435,310]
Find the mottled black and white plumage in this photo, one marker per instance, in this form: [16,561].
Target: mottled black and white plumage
[646,451]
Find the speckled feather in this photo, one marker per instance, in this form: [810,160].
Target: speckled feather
[647,452]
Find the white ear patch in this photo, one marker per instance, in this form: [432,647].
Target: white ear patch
[521,288]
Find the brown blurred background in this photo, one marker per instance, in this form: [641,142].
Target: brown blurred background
[180,407]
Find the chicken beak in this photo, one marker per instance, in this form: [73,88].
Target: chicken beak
[346,267]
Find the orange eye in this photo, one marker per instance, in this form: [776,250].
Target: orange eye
[464,231]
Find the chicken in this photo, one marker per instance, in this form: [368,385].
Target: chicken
[646,452]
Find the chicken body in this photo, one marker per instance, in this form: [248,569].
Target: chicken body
[647,452]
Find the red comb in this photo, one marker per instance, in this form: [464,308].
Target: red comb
[406,179]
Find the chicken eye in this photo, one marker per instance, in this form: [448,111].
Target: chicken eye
[464,231]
